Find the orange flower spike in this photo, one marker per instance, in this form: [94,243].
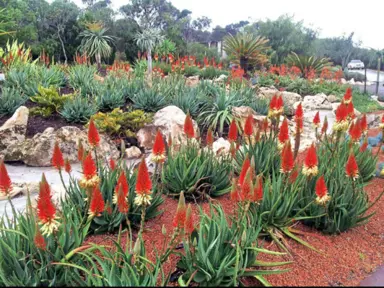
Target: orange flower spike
[341,123]
[123,184]
[280,104]
[5,180]
[112,164]
[209,138]
[287,161]
[258,189]
[299,113]
[46,211]
[189,221]
[351,110]
[39,240]
[158,150]
[232,134]
[93,134]
[97,203]
[310,163]
[143,185]
[248,126]
[364,146]
[90,178]
[80,152]
[355,132]
[272,106]
[188,127]
[351,168]
[348,95]
[57,157]
[244,169]
[321,191]
[316,120]
[234,194]
[122,203]
[325,126]
[181,213]
[283,133]
[67,166]
[247,192]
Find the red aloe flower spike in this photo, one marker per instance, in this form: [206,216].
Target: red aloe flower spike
[299,114]
[189,225]
[122,202]
[112,164]
[46,211]
[89,167]
[364,123]
[158,149]
[310,163]
[321,191]
[364,146]
[209,138]
[97,203]
[325,126]
[5,181]
[280,104]
[348,95]
[355,132]
[287,161]
[80,152]
[258,191]
[244,169]
[57,157]
[294,174]
[233,149]
[248,126]
[39,240]
[316,120]
[124,184]
[283,133]
[235,197]
[351,168]
[143,182]
[67,166]
[341,112]
[247,192]
[179,220]
[232,134]
[188,127]
[93,134]
[351,110]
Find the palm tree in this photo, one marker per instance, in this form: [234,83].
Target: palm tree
[94,42]
[304,63]
[147,40]
[245,48]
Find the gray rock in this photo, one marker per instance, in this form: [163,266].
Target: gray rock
[133,152]
[332,98]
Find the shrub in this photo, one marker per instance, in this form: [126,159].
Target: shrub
[217,112]
[119,123]
[199,173]
[23,79]
[78,110]
[109,98]
[140,68]
[259,105]
[49,101]
[355,75]
[10,100]
[305,63]
[51,77]
[222,252]
[149,100]
[81,77]
[211,73]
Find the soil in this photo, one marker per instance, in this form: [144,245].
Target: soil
[347,258]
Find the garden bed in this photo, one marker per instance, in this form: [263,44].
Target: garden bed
[347,258]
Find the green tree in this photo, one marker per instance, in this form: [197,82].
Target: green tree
[95,42]
[147,41]
[285,36]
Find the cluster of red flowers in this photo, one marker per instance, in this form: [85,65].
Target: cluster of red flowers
[9,58]
[276,106]
[117,66]
[184,216]
[46,210]
[81,59]
[283,70]
[44,58]
[310,73]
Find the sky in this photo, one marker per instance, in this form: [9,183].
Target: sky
[331,17]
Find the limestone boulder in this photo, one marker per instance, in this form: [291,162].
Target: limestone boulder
[332,98]
[133,152]
[221,146]
[37,151]
[12,134]
[315,102]
[170,121]
[192,81]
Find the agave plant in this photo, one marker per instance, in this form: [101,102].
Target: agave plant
[306,63]
[196,172]
[246,49]
[222,252]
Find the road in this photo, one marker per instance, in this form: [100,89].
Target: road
[371,75]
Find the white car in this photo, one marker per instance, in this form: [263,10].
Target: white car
[355,64]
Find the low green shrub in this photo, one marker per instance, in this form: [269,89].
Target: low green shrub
[109,98]
[10,100]
[149,100]
[78,110]
[49,101]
